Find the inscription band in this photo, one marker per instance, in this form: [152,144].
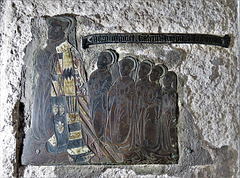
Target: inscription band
[155,38]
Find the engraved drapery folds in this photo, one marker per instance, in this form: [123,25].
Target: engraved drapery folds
[126,112]
[141,112]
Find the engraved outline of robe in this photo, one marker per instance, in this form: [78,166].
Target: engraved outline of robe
[98,86]
[42,123]
[169,113]
[152,123]
[121,111]
[144,108]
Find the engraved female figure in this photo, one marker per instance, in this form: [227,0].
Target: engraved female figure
[99,84]
[55,95]
[153,111]
[121,117]
[144,96]
[169,108]
[43,125]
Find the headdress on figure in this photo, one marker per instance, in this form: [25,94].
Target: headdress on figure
[127,65]
[145,68]
[65,24]
[106,58]
[170,80]
[157,72]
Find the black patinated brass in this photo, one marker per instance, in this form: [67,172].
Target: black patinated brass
[126,112]
[155,38]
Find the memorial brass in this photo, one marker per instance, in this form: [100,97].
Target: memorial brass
[126,112]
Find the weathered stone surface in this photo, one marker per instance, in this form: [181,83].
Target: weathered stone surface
[208,77]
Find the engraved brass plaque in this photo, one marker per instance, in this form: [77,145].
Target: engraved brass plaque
[156,38]
[126,112]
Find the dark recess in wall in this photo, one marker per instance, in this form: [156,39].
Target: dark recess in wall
[18,127]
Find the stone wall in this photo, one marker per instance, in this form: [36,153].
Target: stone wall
[208,78]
